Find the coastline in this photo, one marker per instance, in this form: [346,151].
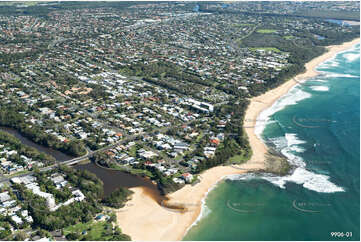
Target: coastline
[144,219]
[266,100]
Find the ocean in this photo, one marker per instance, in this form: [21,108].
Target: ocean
[317,127]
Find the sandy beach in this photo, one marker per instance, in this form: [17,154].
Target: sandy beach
[144,219]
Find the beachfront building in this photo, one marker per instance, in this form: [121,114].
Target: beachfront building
[187,177]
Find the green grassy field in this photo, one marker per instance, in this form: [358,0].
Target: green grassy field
[94,229]
[199,137]
[238,159]
[266,31]
[241,158]
[133,151]
[288,37]
[266,49]
[133,171]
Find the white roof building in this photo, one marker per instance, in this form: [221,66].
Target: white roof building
[4,196]
[17,219]
[50,201]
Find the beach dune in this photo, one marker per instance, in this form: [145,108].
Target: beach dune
[143,218]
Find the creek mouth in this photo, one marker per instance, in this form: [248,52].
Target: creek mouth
[112,179]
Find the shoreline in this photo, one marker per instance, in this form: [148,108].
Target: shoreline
[144,219]
[264,101]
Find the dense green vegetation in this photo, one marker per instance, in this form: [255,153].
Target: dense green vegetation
[6,231]
[11,116]
[165,184]
[117,198]
[13,143]
[166,75]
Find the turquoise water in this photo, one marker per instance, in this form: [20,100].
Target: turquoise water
[317,126]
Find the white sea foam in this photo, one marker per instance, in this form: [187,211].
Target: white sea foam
[319,80]
[245,176]
[332,74]
[350,57]
[330,63]
[320,88]
[288,145]
[205,210]
[354,49]
[297,149]
[349,54]
[290,142]
[309,180]
[293,142]
[291,98]
[292,139]
[301,176]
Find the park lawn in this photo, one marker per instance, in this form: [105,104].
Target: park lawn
[266,49]
[288,37]
[266,31]
[199,137]
[133,171]
[238,159]
[133,151]
[178,157]
[140,172]
[94,229]
[77,227]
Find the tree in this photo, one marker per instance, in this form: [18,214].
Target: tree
[117,198]
[113,218]
[20,236]
[72,236]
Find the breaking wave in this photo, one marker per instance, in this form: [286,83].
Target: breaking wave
[294,96]
[320,88]
[350,57]
[332,74]
[288,146]
[319,80]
